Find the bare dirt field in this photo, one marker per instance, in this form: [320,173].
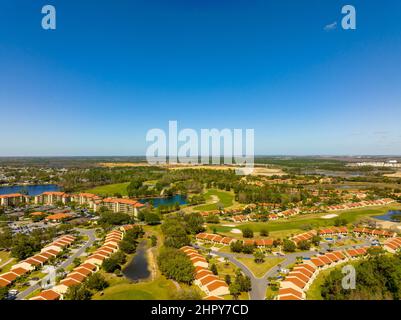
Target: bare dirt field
[258,171]
[393,175]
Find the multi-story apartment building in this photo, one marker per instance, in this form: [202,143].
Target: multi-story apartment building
[86,198]
[52,198]
[13,199]
[121,205]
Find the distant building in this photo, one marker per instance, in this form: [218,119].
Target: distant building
[388,163]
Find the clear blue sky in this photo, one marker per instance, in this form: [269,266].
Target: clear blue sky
[114,69]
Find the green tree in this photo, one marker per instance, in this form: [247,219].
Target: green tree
[316,240]
[288,245]
[96,282]
[6,238]
[175,264]
[264,233]
[213,268]
[247,232]
[152,218]
[235,290]
[153,240]
[78,292]
[175,235]
[194,222]
[227,279]
[3,293]
[259,257]
[303,245]
[128,247]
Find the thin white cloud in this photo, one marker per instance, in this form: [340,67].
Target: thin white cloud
[330,26]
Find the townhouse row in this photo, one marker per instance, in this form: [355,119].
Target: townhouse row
[342,231]
[298,281]
[91,265]
[209,283]
[393,245]
[217,239]
[37,261]
[360,204]
[374,232]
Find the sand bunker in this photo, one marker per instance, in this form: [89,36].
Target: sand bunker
[228,225]
[329,216]
[236,231]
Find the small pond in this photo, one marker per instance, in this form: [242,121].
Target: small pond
[138,269]
[389,215]
[165,201]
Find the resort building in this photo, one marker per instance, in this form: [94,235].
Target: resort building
[13,199]
[51,198]
[121,205]
[86,199]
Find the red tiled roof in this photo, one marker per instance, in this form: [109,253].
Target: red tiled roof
[204,281]
[213,298]
[49,295]
[292,291]
[9,276]
[4,283]
[19,271]
[216,284]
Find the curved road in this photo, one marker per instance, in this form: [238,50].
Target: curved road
[259,285]
[91,235]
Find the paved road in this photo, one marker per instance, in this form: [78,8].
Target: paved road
[259,285]
[91,235]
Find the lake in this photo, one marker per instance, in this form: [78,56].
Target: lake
[166,201]
[388,215]
[32,190]
[137,269]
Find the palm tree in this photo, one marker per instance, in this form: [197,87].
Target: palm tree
[226,261]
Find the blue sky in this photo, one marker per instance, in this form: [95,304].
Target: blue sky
[112,70]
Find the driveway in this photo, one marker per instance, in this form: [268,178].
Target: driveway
[91,235]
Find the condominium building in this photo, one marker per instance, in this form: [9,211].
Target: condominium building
[121,205]
[86,198]
[52,198]
[12,199]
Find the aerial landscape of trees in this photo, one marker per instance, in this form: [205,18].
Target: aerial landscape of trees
[377,278]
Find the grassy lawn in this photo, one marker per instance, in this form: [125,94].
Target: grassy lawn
[224,197]
[259,269]
[299,223]
[4,257]
[270,293]
[110,189]
[122,289]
